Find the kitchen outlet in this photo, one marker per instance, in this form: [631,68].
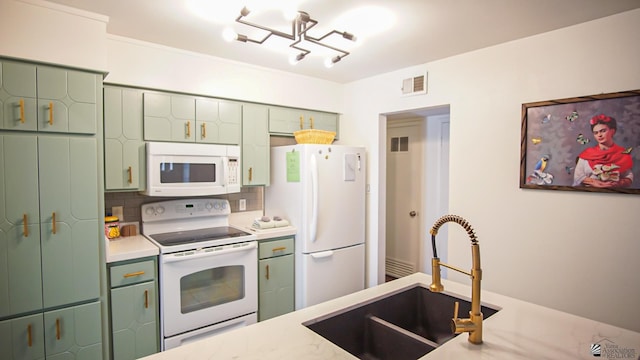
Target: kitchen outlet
[242,204]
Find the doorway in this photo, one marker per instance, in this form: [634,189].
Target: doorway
[417,187]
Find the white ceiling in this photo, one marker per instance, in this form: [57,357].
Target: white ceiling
[424,30]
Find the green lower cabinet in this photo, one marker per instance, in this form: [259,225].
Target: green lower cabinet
[73,333]
[134,309]
[276,278]
[22,338]
[135,330]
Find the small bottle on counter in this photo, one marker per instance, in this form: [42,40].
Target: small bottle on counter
[111,227]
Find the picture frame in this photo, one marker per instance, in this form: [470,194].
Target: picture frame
[555,136]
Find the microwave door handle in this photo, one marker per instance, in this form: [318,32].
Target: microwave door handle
[244,247]
[223,173]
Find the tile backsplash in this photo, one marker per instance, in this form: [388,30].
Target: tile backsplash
[132,201]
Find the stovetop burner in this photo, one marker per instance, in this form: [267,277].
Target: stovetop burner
[199,235]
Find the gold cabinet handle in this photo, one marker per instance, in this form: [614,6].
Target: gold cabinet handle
[282,248]
[250,174]
[267,274]
[58,329]
[311,122]
[301,122]
[29,336]
[137,273]
[204,130]
[130,174]
[22,111]
[51,113]
[188,129]
[146,299]
[53,222]
[25,226]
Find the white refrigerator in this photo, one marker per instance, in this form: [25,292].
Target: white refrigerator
[320,189]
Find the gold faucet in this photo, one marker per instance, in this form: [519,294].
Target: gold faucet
[472,325]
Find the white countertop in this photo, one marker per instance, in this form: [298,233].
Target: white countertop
[129,247]
[243,221]
[138,246]
[520,330]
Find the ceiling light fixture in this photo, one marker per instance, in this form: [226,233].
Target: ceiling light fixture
[300,25]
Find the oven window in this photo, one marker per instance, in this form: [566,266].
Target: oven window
[179,173]
[211,287]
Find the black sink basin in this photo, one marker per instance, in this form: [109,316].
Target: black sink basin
[403,325]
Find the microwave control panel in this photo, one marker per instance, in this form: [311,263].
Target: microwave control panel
[234,172]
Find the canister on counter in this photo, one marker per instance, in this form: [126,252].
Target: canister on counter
[111,227]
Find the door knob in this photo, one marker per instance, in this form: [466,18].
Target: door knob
[413,213]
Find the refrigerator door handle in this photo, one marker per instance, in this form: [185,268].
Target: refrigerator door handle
[322,254]
[314,198]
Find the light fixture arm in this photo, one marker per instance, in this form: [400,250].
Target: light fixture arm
[299,28]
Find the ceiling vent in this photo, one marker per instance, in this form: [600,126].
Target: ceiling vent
[414,85]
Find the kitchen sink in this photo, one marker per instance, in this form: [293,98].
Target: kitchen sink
[402,325]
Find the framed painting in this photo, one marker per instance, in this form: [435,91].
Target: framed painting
[588,143]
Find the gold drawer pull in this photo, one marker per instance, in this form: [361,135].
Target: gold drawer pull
[51,113]
[58,329]
[146,299]
[29,336]
[53,222]
[282,248]
[137,273]
[22,111]
[204,130]
[250,174]
[130,172]
[25,231]
[311,122]
[267,275]
[188,129]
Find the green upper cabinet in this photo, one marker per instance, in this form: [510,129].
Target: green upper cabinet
[169,117]
[218,121]
[18,96]
[182,118]
[49,222]
[285,121]
[124,150]
[66,101]
[255,145]
[42,98]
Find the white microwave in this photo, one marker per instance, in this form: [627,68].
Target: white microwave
[184,169]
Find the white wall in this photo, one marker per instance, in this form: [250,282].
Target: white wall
[573,251]
[47,32]
[132,62]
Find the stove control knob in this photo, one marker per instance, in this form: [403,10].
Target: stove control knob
[150,210]
[209,206]
[216,205]
[160,210]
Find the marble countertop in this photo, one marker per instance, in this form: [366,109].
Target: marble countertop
[520,330]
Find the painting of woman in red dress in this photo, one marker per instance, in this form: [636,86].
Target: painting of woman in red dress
[605,165]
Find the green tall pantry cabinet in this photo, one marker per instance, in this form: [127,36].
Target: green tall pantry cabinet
[49,256]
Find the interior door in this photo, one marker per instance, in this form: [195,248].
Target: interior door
[404,194]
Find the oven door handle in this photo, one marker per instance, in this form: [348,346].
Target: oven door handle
[203,254]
